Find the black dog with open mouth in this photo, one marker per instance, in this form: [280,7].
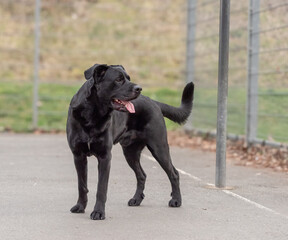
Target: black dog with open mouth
[108,109]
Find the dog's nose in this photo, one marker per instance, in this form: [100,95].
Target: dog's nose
[137,89]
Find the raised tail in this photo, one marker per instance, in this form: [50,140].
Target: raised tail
[180,114]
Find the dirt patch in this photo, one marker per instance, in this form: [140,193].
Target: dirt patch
[237,151]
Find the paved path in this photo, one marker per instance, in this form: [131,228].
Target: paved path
[38,187]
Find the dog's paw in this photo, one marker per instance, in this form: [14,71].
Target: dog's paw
[136,200]
[133,202]
[78,208]
[174,202]
[97,215]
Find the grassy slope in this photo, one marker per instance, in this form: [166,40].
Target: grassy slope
[149,40]
[146,38]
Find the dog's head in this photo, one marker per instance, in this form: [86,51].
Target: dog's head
[113,86]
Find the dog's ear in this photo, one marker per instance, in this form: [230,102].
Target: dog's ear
[97,71]
[93,75]
[90,85]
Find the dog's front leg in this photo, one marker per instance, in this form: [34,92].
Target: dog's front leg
[80,162]
[104,162]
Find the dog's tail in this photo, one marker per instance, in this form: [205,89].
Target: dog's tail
[180,114]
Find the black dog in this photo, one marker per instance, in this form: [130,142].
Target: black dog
[93,126]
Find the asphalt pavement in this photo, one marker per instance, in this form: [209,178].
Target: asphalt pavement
[39,186]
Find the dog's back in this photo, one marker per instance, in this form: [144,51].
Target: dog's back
[148,117]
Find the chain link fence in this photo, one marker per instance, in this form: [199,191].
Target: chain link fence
[258,76]
[148,39]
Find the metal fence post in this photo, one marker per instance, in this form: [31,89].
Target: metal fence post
[36,62]
[220,180]
[191,25]
[252,75]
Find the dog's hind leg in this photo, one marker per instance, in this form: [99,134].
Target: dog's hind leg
[160,151]
[80,162]
[132,154]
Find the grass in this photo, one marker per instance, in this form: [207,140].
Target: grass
[16,108]
[140,36]
[54,99]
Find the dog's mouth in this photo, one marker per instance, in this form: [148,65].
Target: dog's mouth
[123,106]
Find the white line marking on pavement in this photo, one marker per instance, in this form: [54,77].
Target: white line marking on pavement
[149,158]
[189,175]
[225,191]
[179,170]
[253,203]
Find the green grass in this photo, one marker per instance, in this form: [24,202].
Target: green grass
[54,99]
[16,108]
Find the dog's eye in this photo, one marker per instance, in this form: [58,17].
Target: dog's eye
[119,80]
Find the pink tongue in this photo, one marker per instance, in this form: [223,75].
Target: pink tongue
[129,106]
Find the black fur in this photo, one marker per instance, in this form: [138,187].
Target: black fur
[95,122]
[180,114]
